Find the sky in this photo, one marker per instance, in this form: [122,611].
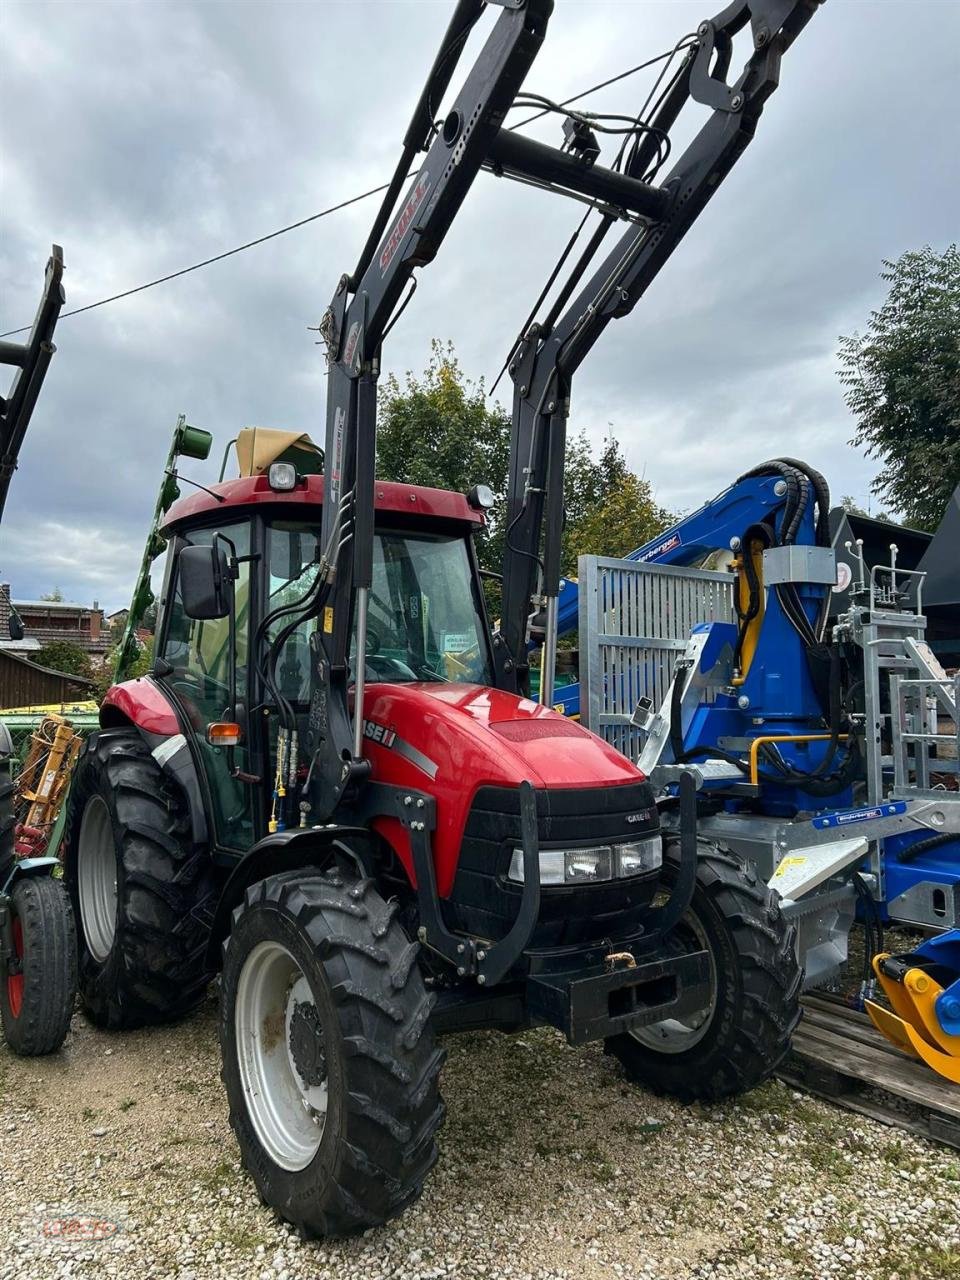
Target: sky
[145,135]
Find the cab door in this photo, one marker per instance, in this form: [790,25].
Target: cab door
[195,668]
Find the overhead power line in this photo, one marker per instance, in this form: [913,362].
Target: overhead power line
[323,213]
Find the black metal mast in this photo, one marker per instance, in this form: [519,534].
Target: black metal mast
[31,360]
[549,354]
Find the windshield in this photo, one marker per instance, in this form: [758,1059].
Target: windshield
[423,622]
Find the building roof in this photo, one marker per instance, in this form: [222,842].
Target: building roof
[21,646]
[83,682]
[55,604]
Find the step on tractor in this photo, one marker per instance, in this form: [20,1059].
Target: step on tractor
[335,789]
[37,942]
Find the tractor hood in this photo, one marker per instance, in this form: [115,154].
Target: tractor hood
[449,740]
[497,737]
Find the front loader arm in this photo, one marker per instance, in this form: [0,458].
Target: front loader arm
[31,359]
[405,235]
[547,356]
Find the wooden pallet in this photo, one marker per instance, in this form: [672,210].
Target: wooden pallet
[838,1054]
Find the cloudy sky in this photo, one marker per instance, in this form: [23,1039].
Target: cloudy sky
[144,135]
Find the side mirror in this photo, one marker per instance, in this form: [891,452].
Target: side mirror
[204,582]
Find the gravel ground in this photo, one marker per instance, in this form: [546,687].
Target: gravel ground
[551,1167]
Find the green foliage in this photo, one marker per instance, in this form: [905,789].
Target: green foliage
[620,514]
[902,384]
[61,655]
[56,595]
[853,508]
[440,430]
[143,663]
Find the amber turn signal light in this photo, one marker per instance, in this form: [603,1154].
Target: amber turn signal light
[224,734]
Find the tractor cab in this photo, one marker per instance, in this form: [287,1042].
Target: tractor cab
[243,555]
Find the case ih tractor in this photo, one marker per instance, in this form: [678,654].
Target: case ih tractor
[335,788]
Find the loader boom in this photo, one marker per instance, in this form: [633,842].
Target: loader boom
[408,232]
[548,354]
[31,359]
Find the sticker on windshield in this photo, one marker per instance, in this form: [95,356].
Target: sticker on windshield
[456,641]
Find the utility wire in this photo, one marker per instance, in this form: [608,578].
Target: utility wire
[323,213]
[216,258]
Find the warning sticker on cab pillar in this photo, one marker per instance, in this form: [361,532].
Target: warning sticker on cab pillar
[328,620]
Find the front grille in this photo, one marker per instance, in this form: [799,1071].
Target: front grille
[484,903]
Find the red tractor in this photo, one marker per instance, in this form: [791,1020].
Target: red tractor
[335,788]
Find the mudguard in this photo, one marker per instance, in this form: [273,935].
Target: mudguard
[286,851]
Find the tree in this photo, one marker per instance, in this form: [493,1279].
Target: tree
[61,655]
[54,596]
[628,517]
[902,384]
[853,508]
[440,430]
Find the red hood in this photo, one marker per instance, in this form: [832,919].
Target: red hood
[521,739]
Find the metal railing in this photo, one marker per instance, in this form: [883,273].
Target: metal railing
[635,620]
[916,704]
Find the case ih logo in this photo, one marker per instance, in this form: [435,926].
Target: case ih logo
[378,733]
[351,344]
[402,224]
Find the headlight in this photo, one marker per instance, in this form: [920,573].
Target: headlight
[282,476]
[594,864]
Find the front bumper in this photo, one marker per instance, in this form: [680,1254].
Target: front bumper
[591,1004]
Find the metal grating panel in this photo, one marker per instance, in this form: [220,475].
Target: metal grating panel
[635,620]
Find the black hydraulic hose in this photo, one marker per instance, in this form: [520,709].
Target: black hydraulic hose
[822,491]
[676,705]
[924,846]
[870,947]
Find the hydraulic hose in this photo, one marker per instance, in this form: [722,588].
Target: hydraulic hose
[925,846]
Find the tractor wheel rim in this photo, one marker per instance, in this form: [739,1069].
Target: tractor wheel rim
[280,1053]
[15,980]
[678,1035]
[97,878]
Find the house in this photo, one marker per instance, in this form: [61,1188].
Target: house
[46,621]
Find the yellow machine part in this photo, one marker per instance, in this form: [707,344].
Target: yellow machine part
[42,783]
[257,447]
[914,1026]
[742,588]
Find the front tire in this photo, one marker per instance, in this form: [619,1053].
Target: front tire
[40,985]
[143,895]
[329,1059]
[739,1039]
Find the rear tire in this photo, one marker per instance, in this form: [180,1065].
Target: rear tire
[39,988]
[740,1039]
[329,1059]
[142,894]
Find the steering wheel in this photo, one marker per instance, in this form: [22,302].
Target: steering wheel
[373,641]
